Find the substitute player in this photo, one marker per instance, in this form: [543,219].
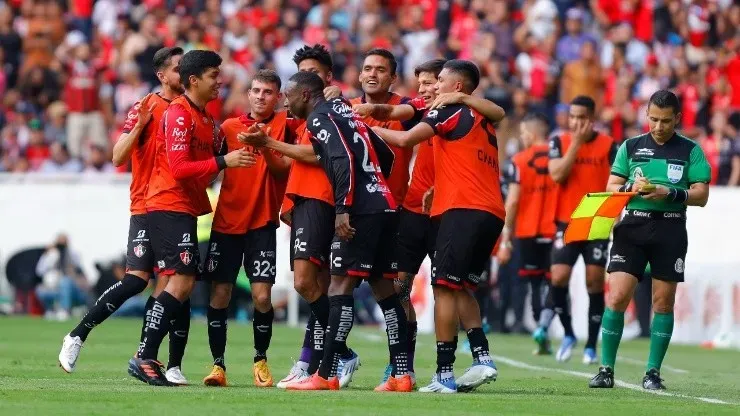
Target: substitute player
[670,172]
[184,166]
[470,209]
[580,160]
[530,205]
[137,143]
[243,231]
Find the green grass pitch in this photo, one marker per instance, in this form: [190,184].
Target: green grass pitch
[699,382]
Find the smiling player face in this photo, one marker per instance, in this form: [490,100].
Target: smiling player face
[376,75]
[427,91]
[263,96]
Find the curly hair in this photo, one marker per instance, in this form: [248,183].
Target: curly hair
[317,52]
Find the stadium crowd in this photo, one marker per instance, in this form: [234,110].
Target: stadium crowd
[71,70]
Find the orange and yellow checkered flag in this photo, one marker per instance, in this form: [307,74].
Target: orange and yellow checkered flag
[595,216]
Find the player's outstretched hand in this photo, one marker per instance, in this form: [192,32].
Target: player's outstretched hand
[145,112]
[331,92]
[255,135]
[364,110]
[426,201]
[342,228]
[240,158]
[447,98]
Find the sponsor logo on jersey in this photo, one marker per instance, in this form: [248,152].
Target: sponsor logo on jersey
[644,152]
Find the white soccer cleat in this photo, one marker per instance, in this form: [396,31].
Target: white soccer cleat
[445,386]
[174,376]
[347,368]
[69,353]
[475,376]
[297,373]
[566,349]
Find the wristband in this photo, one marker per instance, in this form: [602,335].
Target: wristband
[221,162]
[679,195]
[627,187]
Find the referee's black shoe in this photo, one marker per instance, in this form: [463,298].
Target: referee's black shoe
[603,380]
[652,380]
[148,371]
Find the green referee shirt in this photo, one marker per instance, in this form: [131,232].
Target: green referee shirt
[678,163]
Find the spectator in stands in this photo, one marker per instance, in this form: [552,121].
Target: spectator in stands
[63,284]
[60,161]
[37,151]
[99,161]
[569,46]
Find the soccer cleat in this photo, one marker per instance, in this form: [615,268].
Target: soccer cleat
[652,380]
[262,375]
[387,373]
[438,385]
[174,376]
[589,356]
[315,382]
[475,376]
[346,369]
[566,349]
[603,380]
[543,342]
[148,371]
[296,373]
[413,379]
[69,353]
[217,378]
[403,384]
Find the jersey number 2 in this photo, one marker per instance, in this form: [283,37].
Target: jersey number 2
[367,165]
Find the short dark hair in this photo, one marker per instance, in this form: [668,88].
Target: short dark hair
[197,62]
[665,99]
[467,69]
[385,53]
[268,76]
[585,101]
[317,52]
[540,119]
[433,67]
[309,81]
[163,57]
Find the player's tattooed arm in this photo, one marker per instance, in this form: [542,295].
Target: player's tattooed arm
[136,120]
[487,108]
[300,152]
[408,138]
[401,112]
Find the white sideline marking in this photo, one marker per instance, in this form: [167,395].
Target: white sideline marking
[663,367]
[620,383]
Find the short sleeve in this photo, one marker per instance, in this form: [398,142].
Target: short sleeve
[556,148]
[450,122]
[419,107]
[132,117]
[621,167]
[699,169]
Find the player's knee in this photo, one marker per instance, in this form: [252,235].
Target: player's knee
[662,303]
[220,295]
[404,289]
[262,300]
[382,288]
[145,276]
[594,285]
[618,300]
[342,286]
[560,277]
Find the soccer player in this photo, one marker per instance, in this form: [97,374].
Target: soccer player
[416,232]
[356,162]
[530,204]
[579,163]
[184,165]
[470,211]
[137,143]
[670,172]
[243,231]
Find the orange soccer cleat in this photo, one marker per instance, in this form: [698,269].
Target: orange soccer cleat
[315,382]
[403,384]
[217,378]
[262,374]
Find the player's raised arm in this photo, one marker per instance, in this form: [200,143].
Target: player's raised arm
[401,112]
[408,138]
[487,108]
[136,121]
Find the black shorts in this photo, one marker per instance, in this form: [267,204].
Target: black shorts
[370,252]
[534,256]
[594,252]
[139,253]
[312,231]
[657,240]
[416,239]
[255,250]
[174,238]
[465,240]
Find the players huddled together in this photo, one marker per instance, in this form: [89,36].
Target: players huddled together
[337,171]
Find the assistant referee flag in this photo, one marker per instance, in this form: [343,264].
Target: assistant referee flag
[595,216]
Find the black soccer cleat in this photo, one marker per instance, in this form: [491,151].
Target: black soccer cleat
[148,371]
[603,380]
[652,380]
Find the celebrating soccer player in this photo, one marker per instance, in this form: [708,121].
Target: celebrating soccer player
[243,231]
[137,143]
[184,165]
[669,171]
[470,209]
[579,162]
[530,203]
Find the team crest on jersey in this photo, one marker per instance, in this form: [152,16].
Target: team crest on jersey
[212,263]
[638,173]
[186,257]
[139,250]
[675,172]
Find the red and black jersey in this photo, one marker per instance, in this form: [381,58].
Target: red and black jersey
[355,160]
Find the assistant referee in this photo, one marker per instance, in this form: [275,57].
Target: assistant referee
[670,172]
